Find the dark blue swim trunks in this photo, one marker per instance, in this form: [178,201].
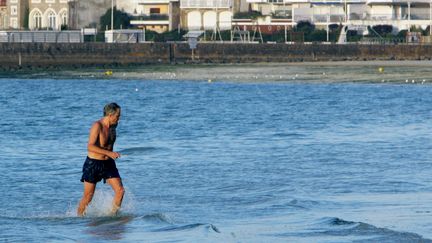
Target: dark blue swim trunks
[95,170]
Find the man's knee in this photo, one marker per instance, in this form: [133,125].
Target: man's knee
[120,191]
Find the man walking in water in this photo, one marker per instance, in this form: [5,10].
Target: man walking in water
[100,162]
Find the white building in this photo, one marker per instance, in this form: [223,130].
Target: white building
[48,14]
[155,15]
[206,15]
[3,15]
[401,14]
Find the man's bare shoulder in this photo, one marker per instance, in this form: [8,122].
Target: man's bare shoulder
[96,126]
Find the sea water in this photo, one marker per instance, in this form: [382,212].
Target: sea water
[220,162]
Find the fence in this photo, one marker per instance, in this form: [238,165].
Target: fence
[205,3]
[41,36]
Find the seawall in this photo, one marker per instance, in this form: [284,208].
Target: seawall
[42,55]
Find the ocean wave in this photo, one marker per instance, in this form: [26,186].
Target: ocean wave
[157,217]
[298,204]
[337,229]
[137,150]
[206,227]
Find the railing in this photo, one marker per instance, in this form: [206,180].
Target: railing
[323,18]
[389,17]
[41,36]
[320,18]
[205,3]
[382,41]
[151,17]
[248,15]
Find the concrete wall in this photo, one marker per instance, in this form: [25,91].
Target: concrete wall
[80,54]
[97,54]
[232,53]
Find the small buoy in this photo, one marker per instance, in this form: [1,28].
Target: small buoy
[406,81]
[108,73]
[413,81]
[209,80]
[381,69]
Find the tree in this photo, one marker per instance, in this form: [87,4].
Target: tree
[304,26]
[121,19]
[26,18]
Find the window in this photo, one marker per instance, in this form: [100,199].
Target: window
[154,10]
[14,10]
[37,20]
[64,18]
[14,23]
[51,20]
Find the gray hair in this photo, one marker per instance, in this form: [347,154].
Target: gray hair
[111,108]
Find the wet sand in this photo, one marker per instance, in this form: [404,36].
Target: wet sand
[363,71]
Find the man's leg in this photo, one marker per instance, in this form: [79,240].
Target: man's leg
[119,191]
[89,189]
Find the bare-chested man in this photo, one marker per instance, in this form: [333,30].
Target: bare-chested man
[100,162]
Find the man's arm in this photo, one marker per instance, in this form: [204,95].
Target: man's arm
[93,146]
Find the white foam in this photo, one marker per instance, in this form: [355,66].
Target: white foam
[101,205]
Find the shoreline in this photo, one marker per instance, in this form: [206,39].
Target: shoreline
[326,72]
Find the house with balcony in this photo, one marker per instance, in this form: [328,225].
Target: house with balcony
[206,15]
[268,16]
[3,15]
[401,14]
[156,15]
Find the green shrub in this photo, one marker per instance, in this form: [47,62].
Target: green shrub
[247,15]
[304,26]
[383,30]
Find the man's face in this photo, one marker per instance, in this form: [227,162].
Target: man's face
[114,118]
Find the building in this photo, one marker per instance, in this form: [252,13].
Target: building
[268,16]
[17,12]
[3,15]
[156,15]
[48,14]
[206,15]
[87,13]
[401,14]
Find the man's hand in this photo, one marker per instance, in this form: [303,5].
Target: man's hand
[114,155]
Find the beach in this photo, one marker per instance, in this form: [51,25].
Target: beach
[340,71]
